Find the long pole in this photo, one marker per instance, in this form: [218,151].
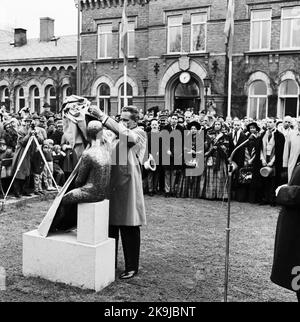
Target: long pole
[228,232]
[145,92]
[229,87]
[125,83]
[78,50]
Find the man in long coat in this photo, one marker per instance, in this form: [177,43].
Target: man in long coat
[21,183]
[271,155]
[127,208]
[286,262]
[292,150]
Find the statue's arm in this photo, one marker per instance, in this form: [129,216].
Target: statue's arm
[83,171]
[289,196]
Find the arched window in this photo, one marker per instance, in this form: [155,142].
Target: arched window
[67,91]
[289,98]
[20,98]
[51,97]
[5,98]
[258,100]
[35,101]
[104,98]
[129,96]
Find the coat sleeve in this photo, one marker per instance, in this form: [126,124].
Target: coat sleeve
[121,130]
[289,196]
[286,153]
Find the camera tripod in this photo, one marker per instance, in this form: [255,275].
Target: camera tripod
[32,139]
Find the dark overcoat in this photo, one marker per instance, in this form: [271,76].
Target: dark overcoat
[287,240]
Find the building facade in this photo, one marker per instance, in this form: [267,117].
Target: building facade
[36,71]
[177,48]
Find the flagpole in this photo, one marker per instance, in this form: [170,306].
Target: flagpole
[125,82]
[229,87]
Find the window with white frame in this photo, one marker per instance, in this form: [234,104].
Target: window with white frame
[175,34]
[258,100]
[35,99]
[129,96]
[51,97]
[290,28]
[198,32]
[260,38]
[105,41]
[20,98]
[131,40]
[67,91]
[104,98]
[289,98]
[5,98]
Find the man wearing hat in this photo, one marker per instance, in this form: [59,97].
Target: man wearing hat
[39,130]
[271,155]
[127,208]
[22,181]
[57,134]
[47,111]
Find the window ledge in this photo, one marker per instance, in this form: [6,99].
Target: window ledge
[118,60]
[272,52]
[193,54]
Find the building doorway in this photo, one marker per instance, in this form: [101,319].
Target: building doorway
[187,96]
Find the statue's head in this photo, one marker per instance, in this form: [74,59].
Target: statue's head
[93,130]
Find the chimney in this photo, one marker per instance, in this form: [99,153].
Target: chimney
[46,29]
[20,37]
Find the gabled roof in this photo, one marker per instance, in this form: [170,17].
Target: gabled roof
[6,36]
[65,46]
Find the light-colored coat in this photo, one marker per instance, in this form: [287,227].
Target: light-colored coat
[291,152]
[127,207]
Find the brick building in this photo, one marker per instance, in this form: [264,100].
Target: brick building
[36,71]
[177,44]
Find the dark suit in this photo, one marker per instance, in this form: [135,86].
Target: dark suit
[270,183]
[239,159]
[173,169]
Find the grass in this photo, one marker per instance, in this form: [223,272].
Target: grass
[182,255]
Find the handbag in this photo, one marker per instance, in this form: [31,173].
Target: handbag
[245,175]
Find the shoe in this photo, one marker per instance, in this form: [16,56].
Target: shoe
[26,194]
[17,195]
[127,275]
[151,194]
[41,192]
[36,193]
[167,195]
[51,189]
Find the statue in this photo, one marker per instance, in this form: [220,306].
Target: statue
[91,183]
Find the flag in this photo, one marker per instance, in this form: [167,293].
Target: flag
[229,28]
[124,32]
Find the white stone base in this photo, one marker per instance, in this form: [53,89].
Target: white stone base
[60,258]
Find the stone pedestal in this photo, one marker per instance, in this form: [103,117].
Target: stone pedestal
[85,260]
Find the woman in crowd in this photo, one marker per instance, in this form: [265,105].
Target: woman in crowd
[214,183]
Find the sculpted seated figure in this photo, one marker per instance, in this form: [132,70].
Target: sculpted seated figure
[91,183]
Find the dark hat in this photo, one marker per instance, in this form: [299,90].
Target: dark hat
[194,123]
[253,124]
[35,117]
[50,122]
[46,105]
[28,118]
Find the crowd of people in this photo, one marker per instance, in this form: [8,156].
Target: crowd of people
[265,162]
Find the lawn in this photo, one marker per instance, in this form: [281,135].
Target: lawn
[182,255]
